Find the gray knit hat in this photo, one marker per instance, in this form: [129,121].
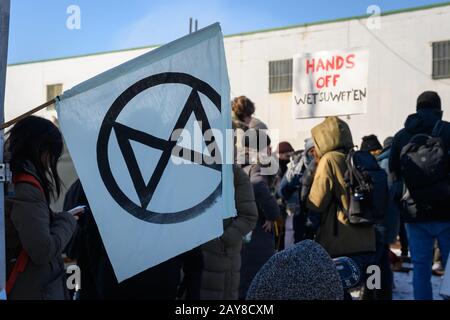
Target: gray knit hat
[309,143]
[305,271]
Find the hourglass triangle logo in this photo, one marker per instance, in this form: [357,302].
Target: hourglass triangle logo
[125,135]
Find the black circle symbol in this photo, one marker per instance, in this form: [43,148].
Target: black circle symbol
[124,134]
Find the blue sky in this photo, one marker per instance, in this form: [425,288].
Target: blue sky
[38,28]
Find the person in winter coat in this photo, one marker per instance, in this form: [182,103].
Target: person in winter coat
[424,228]
[387,230]
[290,189]
[222,256]
[329,196]
[161,282]
[242,111]
[392,217]
[35,236]
[284,153]
[262,244]
[371,144]
[285,236]
[400,229]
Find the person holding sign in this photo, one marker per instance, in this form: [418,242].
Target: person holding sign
[35,236]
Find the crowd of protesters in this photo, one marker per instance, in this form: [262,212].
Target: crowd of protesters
[309,231]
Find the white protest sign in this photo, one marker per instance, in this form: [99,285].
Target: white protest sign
[148,142]
[330,83]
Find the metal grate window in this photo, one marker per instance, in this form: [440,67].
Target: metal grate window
[53,90]
[280,76]
[441,59]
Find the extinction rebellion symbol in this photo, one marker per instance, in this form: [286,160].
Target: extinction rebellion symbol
[125,134]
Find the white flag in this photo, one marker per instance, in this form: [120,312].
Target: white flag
[142,137]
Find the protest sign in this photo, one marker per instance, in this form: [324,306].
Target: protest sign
[330,83]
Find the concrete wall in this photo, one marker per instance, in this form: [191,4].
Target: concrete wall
[393,83]
[399,70]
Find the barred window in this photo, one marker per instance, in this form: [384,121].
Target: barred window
[53,90]
[441,59]
[280,76]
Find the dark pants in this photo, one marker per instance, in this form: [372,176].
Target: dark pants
[403,238]
[387,277]
[254,255]
[299,221]
[362,261]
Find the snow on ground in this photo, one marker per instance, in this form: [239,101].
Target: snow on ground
[403,289]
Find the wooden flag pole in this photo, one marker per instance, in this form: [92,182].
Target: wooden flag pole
[29,113]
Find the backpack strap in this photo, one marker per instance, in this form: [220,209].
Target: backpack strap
[22,259]
[18,268]
[336,220]
[437,129]
[27,178]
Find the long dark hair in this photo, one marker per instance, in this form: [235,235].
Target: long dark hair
[39,141]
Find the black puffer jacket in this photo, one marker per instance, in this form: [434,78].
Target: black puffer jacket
[422,122]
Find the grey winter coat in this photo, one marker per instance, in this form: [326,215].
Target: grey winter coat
[43,235]
[262,244]
[222,256]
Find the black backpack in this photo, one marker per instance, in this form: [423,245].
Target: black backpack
[425,166]
[367,187]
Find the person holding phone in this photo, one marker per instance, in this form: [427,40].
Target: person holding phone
[36,236]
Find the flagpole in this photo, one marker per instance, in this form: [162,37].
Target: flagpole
[26,114]
[4,33]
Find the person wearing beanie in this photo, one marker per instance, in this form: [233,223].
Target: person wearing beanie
[371,144]
[429,100]
[284,152]
[387,143]
[285,147]
[289,190]
[387,229]
[423,229]
[428,113]
[305,271]
[261,245]
[283,155]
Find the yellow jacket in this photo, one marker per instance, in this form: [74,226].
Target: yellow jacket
[328,195]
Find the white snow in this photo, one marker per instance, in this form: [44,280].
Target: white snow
[403,289]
